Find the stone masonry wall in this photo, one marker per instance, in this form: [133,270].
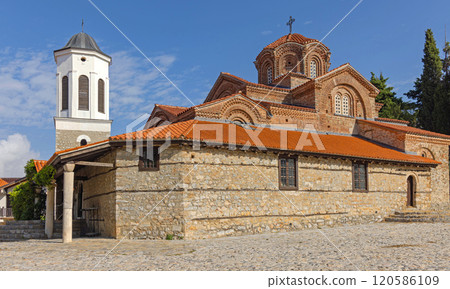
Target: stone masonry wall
[66,139]
[216,192]
[437,149]
[99,192]
[152,199]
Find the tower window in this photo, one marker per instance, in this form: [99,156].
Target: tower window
[313,69]
[269,74]
[83,92]
[337,104]
[101,96]
[65,93]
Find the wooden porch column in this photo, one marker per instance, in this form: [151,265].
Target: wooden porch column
[68,202]
[49,212]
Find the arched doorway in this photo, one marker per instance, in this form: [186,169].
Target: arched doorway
[411,193]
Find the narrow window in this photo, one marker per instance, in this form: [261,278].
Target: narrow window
[287,167]
[313,69]
[337,104]
[345,106]
[269,75]
[83,92]
[65,93]
[359,176]
[148,160]
[101,96]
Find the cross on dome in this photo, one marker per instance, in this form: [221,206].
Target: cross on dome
[289,23]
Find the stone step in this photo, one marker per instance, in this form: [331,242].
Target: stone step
[410,220]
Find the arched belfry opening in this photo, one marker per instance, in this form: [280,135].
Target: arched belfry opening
[411,192]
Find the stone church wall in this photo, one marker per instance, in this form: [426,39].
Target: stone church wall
[217,192]
[439,150]
[139,195]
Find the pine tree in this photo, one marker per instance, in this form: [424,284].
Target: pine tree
[393,106]
[427,87]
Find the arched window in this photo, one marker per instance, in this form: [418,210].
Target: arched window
[313,69]
[345,105]
[83,92]
[337,104]
[101,96]
[269,75]
[65,93]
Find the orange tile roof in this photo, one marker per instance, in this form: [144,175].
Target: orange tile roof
[334,145]
[407,129]
[256,84]
[294,37]
[392,120]
[175,110]
[39,164]
[3,182]
[73,149]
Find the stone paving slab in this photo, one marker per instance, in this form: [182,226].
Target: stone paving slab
[382,246]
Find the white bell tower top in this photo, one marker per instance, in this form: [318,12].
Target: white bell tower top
[82,79]
[82,93]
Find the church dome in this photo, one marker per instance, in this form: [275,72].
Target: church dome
[294,37]
[82,41]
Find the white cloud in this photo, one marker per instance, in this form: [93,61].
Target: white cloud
[136,85]
[27,88]
[15,151]
[308,22]
[266,32]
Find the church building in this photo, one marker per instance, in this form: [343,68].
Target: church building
[301,148]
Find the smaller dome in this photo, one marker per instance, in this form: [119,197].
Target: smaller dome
[295,37]
[82,41]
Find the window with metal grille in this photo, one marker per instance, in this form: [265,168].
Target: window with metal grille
[65,93]
[360,176]
[313,69]
[337,104]
[269,74]
[101,96]
[287,167]
[149,159]
[345,105]
[83,92]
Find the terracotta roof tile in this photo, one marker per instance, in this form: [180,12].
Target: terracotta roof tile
[3,182]
[256,84]
[407,129]
[175,110]
[334,145]
[294,37]
[73,149]
[39,164]
[392,120]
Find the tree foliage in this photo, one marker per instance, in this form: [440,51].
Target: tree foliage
[427,88]
[28,198]
[393,107]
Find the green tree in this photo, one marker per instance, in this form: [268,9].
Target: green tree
[28,199]
[443,101]
[426,90]
[393,107]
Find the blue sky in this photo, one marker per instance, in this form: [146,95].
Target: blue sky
[192,42]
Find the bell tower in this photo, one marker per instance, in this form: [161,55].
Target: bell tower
[82,90]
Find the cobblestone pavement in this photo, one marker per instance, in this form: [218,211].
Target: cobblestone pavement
[383,246]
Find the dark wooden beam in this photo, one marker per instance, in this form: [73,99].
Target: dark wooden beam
[94,164]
